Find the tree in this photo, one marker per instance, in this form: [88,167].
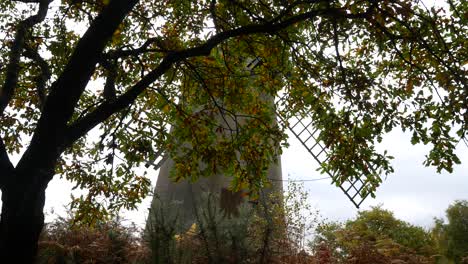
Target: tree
[382,223]
[88,89]
[452,237]
[376,236]
[457,230]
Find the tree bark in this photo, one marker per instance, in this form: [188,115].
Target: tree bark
[23,188]
[22,216]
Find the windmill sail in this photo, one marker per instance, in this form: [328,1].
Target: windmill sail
[302,127]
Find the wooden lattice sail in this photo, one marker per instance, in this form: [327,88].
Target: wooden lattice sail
[304,130]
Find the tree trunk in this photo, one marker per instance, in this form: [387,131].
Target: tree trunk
[22,217]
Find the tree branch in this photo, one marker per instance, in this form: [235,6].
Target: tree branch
[214,17]
[66,91]
[106,109]
[42,78]
[12,69]
[137,51]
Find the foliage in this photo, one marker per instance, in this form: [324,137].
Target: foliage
[89,90]
[300,218]
[134,81]
[375,236]
[107,242]
[380,222]
[457,230]
[452,237]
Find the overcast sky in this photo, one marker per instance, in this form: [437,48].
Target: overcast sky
[415,193]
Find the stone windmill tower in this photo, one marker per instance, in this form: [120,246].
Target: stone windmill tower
[183,197]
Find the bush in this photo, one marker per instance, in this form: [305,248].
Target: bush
[107,242]
[375,236]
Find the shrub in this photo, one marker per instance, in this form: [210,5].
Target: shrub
[375,236]
[62,241]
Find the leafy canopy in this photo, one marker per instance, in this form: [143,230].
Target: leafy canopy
[358,68]
[377,233]
[452,237]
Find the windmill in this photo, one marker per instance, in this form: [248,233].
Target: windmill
[301,126]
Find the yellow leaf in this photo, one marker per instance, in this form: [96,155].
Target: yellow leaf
[166,108]
[192,230]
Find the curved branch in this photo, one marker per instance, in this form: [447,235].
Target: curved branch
[12,69]
[106,109]
[42,78]
[115,54]
[70,85]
